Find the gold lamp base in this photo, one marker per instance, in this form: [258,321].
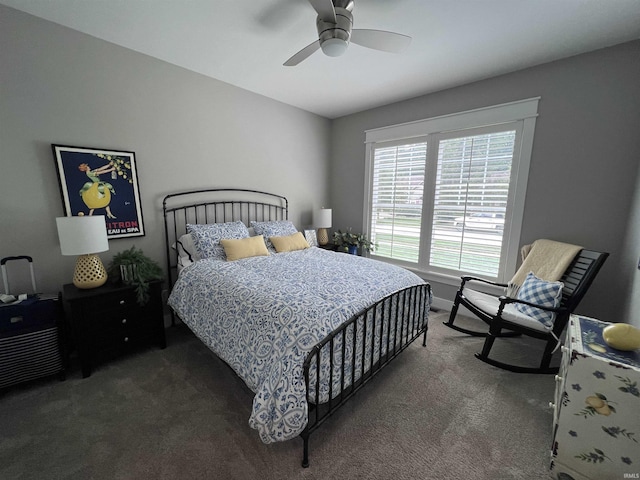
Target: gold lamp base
[323,236]
[89,272]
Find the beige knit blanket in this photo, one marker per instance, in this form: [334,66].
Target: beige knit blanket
[547,259]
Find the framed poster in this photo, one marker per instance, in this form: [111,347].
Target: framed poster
[101,182]
[312,240]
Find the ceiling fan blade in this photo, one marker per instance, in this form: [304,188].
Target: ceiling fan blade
[302,54]
[325,10]
[380,40]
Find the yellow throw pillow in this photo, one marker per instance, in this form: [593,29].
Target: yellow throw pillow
[289,243]
[235,249]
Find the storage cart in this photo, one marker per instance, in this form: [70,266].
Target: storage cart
[31,333]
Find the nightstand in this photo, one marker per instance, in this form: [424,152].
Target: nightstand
[595,420]
[328,246]
[108,321]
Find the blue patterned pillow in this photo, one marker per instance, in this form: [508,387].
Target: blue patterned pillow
[540,292]
[206,237]
[280,228]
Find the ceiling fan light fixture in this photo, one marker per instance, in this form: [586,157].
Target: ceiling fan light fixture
[335,28]
[334,47]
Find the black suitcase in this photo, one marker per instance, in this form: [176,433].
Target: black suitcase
[30,333]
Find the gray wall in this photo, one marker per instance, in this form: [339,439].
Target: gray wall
[631,260]
[584,164]
[188,131]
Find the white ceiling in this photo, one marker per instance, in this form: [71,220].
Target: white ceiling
[245,42]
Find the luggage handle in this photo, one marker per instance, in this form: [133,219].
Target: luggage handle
[18,257]
[5,280]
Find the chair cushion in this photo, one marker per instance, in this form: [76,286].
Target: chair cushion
[540,292]
[489,304]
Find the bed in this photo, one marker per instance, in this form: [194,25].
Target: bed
[305,328]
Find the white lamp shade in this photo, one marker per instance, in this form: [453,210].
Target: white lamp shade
[82,235]
[322,218]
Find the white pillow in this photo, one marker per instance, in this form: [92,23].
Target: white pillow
[186,248]
[183,262]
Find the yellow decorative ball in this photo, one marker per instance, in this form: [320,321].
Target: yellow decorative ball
[622,336]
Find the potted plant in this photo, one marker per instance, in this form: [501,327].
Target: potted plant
[133,267]
[351,242]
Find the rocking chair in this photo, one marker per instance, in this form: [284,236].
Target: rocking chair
[502,312]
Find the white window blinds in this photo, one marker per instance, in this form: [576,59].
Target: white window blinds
[470,202]
[396,209]
[444,196]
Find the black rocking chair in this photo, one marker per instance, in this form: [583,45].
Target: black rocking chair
[497,312]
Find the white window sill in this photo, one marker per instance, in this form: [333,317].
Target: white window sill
[445,279]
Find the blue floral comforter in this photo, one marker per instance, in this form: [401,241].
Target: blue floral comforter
[263,315]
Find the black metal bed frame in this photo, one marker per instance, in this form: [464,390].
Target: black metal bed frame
[410,305]
[179,209]
[379,332]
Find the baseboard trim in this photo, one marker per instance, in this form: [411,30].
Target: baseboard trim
[443,304]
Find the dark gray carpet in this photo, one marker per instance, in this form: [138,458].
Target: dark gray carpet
[180,413]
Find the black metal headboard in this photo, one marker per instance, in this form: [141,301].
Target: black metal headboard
[216,205]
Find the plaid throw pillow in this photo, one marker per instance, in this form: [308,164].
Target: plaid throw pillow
[540,292]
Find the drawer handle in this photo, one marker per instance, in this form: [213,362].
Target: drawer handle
[126,339]
[122,302]
[124,320]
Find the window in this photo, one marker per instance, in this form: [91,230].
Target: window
[398,185]
[445,196]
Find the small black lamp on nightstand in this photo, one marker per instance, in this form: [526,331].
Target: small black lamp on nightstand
[322,221]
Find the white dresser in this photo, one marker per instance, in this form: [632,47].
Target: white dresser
[596,421]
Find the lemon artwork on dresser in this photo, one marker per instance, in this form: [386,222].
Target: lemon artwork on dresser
[597,404]
[600,405]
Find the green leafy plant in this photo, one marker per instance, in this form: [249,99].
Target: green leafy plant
[141,269]
[349,239]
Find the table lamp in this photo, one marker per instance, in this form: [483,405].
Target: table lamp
[322,221]
[84,236]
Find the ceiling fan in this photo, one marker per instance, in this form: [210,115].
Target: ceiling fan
[335,22]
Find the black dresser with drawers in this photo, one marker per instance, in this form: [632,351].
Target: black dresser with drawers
[108,321]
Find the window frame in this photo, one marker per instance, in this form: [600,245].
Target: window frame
[521,114]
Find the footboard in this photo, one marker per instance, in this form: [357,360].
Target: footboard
[351,355]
